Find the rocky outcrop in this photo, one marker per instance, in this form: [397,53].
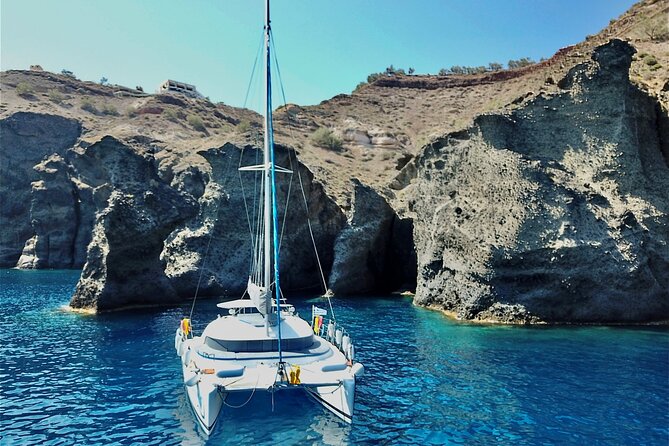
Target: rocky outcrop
[361,249]
[374,251]
[214,249]
[25,140]
[53,217]
[557,211]
[136,213]
[355,133]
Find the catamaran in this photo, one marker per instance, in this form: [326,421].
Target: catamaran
[262,344]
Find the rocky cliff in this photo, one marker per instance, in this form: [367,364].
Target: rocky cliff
[532,195]
[135,213]
[26,139]
[556,211]
[160,236]
[213,249]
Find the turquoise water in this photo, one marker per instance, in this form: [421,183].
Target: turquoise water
[114,379]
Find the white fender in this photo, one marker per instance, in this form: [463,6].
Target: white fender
[177,342]
[338,336]
[345,342]
[331,330]
[182,349]
[358,370]
[185,357]
[351,352]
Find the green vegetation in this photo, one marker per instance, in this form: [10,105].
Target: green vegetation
[68,73]
[520,63]
[650,61]
[196,122]
[324,138]
[171,115]
[56,96]
[244,126]
[24,89]
[109,109]
[88,105]
[391,71]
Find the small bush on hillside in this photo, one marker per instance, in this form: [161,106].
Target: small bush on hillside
[650,61]
[109,109]
[656,30]
[171,115]
[243,126]
[24,89]
[196,122]
[56,96]
[359,86]
[131,112]
[520,63]
[324,137]
[88,105]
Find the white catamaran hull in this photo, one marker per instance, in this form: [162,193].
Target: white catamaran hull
[209,382]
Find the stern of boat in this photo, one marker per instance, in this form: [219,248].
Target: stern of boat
[204,397]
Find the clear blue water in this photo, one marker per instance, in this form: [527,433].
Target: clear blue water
[114,379]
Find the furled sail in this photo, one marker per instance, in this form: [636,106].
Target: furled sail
[259,297]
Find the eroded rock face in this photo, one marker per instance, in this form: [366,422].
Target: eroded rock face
[53,217]
[216,243]
[25,140]
[136,212]
[374,252]
[557,211]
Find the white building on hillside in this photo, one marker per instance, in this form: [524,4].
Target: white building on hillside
[170,86]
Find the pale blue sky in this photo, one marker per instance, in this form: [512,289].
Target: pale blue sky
[324,47]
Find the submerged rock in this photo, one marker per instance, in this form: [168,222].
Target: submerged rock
[557,211]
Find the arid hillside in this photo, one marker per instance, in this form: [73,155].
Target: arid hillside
[382,125]
[385,123]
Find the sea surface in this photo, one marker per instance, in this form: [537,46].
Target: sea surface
[115,379]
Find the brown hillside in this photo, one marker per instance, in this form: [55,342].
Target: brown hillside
[401,114]
[382,125]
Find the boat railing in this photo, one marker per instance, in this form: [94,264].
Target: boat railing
[335,334]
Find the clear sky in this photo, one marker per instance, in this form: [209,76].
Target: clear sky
[324,47]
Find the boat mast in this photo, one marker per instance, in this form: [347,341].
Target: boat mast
[270,187]
[267,238]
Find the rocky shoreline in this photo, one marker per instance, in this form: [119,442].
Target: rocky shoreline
[553,210]
[556,211]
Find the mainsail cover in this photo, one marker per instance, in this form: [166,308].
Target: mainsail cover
[259,297]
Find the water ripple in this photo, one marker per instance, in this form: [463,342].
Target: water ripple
[114,379]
